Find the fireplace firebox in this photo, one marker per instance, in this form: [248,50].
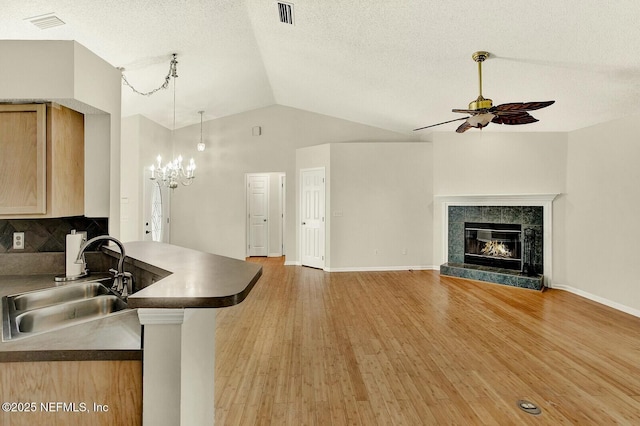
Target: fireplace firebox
[493,244]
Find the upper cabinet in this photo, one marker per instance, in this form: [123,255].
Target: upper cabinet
[41,161]
[23,155]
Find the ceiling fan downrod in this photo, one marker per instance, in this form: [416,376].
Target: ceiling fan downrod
[480,102]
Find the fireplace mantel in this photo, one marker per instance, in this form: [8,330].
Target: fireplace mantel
[543,200]
[497,199]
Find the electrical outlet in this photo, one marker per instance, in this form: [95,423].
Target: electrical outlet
[18,240]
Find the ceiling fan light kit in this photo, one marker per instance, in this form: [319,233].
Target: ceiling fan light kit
[482,112]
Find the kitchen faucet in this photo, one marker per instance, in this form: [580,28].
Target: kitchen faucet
[123,281]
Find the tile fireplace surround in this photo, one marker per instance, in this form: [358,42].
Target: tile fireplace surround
[530,210]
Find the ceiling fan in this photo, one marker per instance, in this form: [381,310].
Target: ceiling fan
[482,112]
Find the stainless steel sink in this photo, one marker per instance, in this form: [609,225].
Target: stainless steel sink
[30,313]
[55,295]
[69,313]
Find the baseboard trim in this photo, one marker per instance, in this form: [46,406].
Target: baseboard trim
[381,268]
[615,305]
[370,268]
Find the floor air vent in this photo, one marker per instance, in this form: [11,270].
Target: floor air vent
[286,12]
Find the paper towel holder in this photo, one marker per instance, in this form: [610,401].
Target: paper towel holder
[72,257]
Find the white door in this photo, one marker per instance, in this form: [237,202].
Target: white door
[258,214]
[155,212]
[312,214]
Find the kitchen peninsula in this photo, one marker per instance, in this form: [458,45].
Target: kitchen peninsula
[178,314]
[176,300]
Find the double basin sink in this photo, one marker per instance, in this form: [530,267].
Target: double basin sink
[35,312]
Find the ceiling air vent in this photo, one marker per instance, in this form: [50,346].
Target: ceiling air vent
[45,21]
[286,12]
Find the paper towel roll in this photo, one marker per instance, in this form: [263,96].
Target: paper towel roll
[74,241]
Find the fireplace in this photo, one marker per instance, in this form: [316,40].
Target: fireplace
[531,252]
[498,245]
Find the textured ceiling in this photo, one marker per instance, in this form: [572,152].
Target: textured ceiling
[391,64]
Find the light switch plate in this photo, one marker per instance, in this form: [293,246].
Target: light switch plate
[18,240]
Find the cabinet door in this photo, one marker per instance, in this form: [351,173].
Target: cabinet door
[22,159]
[65,162]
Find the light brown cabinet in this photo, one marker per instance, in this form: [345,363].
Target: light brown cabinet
[41,161]
[94,393]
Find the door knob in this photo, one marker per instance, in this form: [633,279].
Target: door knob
[304,223]
[147,232]
[265,220]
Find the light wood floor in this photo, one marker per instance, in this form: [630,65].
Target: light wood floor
[309,347]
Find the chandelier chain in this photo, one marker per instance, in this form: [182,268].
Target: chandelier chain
[173,72]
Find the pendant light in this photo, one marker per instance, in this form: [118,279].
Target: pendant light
[201,145]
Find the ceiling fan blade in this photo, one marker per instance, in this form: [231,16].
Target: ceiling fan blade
[520,106]
[510,119]
[478,121]
[444,122]
[463,127]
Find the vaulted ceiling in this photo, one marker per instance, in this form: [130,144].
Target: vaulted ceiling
[396,65]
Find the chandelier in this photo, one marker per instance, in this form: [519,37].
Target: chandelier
[173,173]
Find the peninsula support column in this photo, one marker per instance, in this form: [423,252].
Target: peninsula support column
[178,366]
[197,406]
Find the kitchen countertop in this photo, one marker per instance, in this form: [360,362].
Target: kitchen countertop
[194,279]
[186,279]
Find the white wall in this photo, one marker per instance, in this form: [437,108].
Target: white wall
[130,182]
[499,163]
[602,210]
[381,208]
[142,141]
[210,214]
[97,166]
[378,197]
[36,69]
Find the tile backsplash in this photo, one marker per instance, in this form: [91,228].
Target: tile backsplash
[48,235]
